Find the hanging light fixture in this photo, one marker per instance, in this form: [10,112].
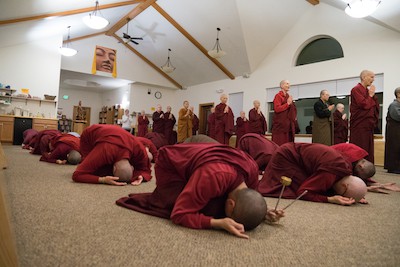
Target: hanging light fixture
[94,20]
[168,67]
[217,51]
[361,8]
[66,49]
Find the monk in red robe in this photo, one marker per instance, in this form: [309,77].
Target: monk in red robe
[112,156]
[195,122]
[211,124]
[200,138]
[169,123]
[143,124]
[257,122]
[149,145]
[42,140]
[224,121]
[317,168]
[341,125]
[364,109]
[259,148]
[242,126]
[158,120]
[158,139]
[204,186]
[285,117]
[63,149]
[28,136]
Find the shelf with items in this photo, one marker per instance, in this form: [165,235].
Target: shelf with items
[4,98]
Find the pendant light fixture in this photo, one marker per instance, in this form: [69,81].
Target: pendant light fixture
[66,49]
[94,20]
[361,8]
[217,51]
[168,67]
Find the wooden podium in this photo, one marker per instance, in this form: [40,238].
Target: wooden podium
[79,126]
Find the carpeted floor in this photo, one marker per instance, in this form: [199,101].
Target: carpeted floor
[61,223]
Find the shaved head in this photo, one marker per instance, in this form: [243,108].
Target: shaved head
[364,169]
[250,208]
[74,157]
[351,186]
[123,170]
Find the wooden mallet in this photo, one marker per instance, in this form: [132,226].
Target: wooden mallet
[291,203]
[285,181]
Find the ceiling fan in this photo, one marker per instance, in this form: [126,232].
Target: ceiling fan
[129,38]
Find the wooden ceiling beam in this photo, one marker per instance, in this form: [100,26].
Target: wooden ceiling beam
[147,61]
[192,40]
[313,2]
[84,37]
[69,12]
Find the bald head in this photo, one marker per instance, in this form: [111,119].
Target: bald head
[224,98]
[340,107]
[74,157]
[364,169]
[284,85]
[123,170]
[250,208]
[351,186]
[397,92]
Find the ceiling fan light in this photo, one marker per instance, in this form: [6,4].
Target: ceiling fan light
[95,22]
[216,53]
[361,8]
[68,51]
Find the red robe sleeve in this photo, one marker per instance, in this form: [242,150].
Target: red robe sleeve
[60,152]
[317,185]
[280,102]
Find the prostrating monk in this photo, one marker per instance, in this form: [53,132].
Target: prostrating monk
[259,148]
[364,110]
[184,122]
[242,126]
[284,121]
[149,145]
[392,135]
[112,156]
[257,122]
[195,122]
[224,121]
[158,120]
[169,123]
[211,124]
[200,138]
[204,186]
[42,140]
[64,149]
[157,139]
[143,124]
[314,167]
[322,125]
[341,125]
[28,136]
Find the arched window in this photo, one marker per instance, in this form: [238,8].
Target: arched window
[318,50]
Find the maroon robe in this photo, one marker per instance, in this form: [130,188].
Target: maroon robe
[158,122]
[143,125]
[193,181]
[284,121]
[150,145]
[364,117]
[169,124]
[195,124]
[312,167]
[62,145]
[341,128]
[42,140]
[158,139]
[224,124]
[257,122]
[28,136]
[242,128]
[259,148]
[392,137]
[102,146]
[211,125]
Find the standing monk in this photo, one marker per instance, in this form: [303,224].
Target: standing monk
[364,110]
[158,120]
[341,125]
[257,122]
[184,122]
[195,122]
[284,122]
[169,124]
[322,125]
[211,124]
[143,124]
[392,135]
[204,186]
[112,156]
[242,126]
[224,121]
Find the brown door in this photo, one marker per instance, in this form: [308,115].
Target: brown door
[204,111]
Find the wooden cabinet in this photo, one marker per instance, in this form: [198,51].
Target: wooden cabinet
[44,124]
[6,129]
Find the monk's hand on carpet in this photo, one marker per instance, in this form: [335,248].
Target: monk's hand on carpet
[111,180]
[138,181]
[61,162]
[341,200]
[230,226]
[363,201]
[376,189]
[274,216]
[391,187]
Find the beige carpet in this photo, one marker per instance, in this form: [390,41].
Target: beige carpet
[61,223]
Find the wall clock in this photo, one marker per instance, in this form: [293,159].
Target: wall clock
[157,95]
